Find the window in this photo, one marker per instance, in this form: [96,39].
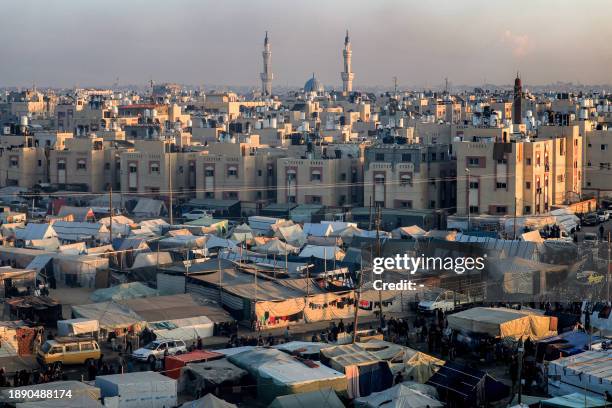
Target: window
[209,172]
[40,163]
[433,157]
[56,350]
[232,172]
[14,161]
[133,168]
[502,161]
[528,161]
[501,209]
[432,204]
[259,173]
[72,348]
[406,204]
[528,185]
[604,147]
[379,157]
[81,164]
[474,185]
[560,178]
[315,199]
[209,194]
[343,177]
[405,180]
[442,155]
[315,175]
[291,199]
[474,209]
[473,161]
[107,166]
[232,195]
[500,185]
[270,171]
[86,346]
[406,157]
[527,209]
[154,168]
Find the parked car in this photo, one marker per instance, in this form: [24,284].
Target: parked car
[195,215]
[590,219]
[157,348]
[37,212]
[68,351]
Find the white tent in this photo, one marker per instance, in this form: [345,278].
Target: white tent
[414,232]
[318,230]
[148,207]
[188,329]
[34,231]
[322,252]
[398,396]
[138,389]
[143,260]
[275,247]
[208,401]
[78,231]
[589,371]
[242,233]
[291,234]
[74,327]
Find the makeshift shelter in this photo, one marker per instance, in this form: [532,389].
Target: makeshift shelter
[154,226]
[323,398]
[347,233]
[413,232]
[148,208]
[14,282]
[322,252]
[398,396]
[138,389]
[48,244]
[210,375]
[262,225]
[208,401]
[574,400]
[275,247]
[78,327]
[110,315]
[80,214]
[87,271]
[81,231]
[173,364]
[304,349]
[277,373]
[324,241]
[589,372]
[41,309]
[519,276]
[503,322]
[464,386]
[242,233]
[291,234]
[34,231]
[122,292]
[8,231]
[319,230]
[365,372]
[18,337]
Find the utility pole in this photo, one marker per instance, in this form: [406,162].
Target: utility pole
[110,207]
[514,222]
[170,186]
[468,199]
[357,298]
[608,271]
[370,225]
[521,350]
[395,85]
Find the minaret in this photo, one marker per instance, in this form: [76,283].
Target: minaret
[518,101]
[266,75]
[347,75]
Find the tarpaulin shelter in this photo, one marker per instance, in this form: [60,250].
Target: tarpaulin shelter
[305,349]
[564,345]
[47,244]
[412,232]
[148,207]
[155,226]
[14,281]
[209,375]
[110,315]
[398,396]
[464,386]
[365,372]
[275,247]
[123,291]
[173,364]
[323,398]
[138,389]
[208,401]
[18,337]
[77,327]
[263,225]
[574,400]
[277,373]
[81,231]
[35,231]
[291,234]
[319,230]
[523,276]
[80,214]
[503,322]
[242,233]
[88,271]
[322,252]
[589,372]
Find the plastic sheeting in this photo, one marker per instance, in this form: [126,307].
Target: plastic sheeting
[122,292]
[398,396]
[208,401]
[589,371]
[74,327]
[139,389]
[325,398]
[503,322]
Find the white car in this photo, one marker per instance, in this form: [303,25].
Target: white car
[157,349]
[195,215]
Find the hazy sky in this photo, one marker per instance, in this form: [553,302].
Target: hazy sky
[92,42]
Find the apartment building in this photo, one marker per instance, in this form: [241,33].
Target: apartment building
[522,177]
[238,170]
[598,158]
[411,176]
[329,175]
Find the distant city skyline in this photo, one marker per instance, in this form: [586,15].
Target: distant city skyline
[67,42]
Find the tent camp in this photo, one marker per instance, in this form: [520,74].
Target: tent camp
[148,207]
[122,292]
[398,396]
[208,401]
[503,322]
[575,400]
[277,373]
[322,252]
[138,389]
[323,398]
[589,372]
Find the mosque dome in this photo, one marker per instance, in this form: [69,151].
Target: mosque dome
[313,85]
